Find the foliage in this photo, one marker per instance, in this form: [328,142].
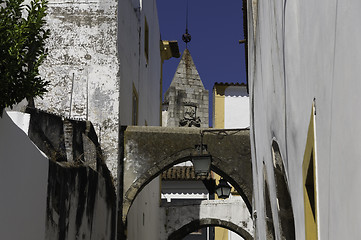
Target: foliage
[22,50]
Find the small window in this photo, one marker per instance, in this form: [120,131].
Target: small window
[146,39]
[135,107]
[310,186]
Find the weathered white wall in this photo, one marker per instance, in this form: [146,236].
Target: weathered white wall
[144,214]
[23,184]
[83,68]
[96,58]
[298,52]
[145,77]
[236,107]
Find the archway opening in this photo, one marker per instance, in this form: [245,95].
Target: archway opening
[137,188]
[144,213]
[190,230]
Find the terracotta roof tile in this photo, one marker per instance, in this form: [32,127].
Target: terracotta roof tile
[182,173]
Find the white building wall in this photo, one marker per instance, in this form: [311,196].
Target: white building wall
[236,107]
[23,183]
[144,214]
[298,52]
[145,77]
[149,84]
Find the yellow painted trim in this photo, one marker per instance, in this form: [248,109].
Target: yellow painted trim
[220,233]
[311,227]
[218,106]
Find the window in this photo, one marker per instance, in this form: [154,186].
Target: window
[135,106]
[146,39]
[309,183]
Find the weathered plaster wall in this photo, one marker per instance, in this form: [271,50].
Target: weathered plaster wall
[23,182]
[96,61]
[83,68]
[298,52]
[96,57]
[224,211]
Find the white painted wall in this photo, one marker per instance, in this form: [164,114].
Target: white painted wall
[134,68]
[143,217]
[23,183]
[236,107]
[145,76]
[298,52]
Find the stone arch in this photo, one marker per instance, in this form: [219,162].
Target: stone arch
[285,210]
[194,225]
[167,163]
[148,151]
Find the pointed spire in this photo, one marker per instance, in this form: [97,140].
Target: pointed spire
[187,73]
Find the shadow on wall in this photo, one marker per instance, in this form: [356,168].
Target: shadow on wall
[80,203]
[81,200]
[65,199]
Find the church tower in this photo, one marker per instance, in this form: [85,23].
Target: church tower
[186,100]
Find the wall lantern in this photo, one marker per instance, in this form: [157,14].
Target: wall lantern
[223,189]
[201,160]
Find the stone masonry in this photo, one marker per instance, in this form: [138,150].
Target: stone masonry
[186,100]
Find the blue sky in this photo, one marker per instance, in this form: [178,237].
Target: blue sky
[215,27]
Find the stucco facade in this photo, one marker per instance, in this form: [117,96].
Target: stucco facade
[304,93]
[104,66]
